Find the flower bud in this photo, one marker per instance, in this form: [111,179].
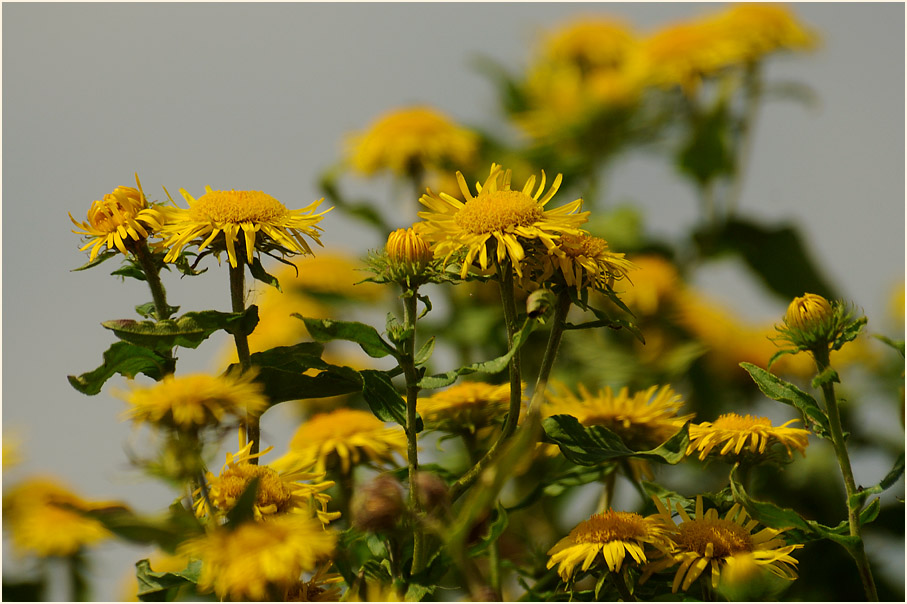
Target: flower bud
[406,246]
[378,505]
[431,491]
[808,312]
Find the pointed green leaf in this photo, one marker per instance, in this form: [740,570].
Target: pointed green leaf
[259,273]
[779,390]
[126,359]
[591,445]
[244,509]
[368,338]
[166,532]
[162,586]
[385,402]
[892,477]
[149,311]
[187,331]
[425,352]
[495,530]
[101,257]
[829,375]
[850,333]
[896,344]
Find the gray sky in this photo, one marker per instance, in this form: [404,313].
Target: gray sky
[254,96]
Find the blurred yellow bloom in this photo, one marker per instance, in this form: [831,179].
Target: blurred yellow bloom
[33,511]
[465,406]
[763,28]
[896,305]
[654,284]
[709,541]
[118,218]
[322,587]
[12,455]
[497,220]
[258,218]
[735,433]
[590,41]
[191,402]
[409,141]
[344,436]
[610,536]
[259,560]
[330,274]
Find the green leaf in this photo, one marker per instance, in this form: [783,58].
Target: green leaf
[493,366]
[896,344]
[849,333]
[24,591]
[188,331]
[555,486]
[495,530]
[892,477]
[592,445]
[166,532]
[162,586]
[383,399]
[708,152]
[779,390]
[244,509]
[425,352]
[101,257]
[827,376]
[368,338]
[149,311]
[130,269]
[126,359]
[259,273]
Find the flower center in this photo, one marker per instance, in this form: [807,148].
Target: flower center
[732,421]
[726,537]
[583,245]
[237,207]
[271,490]
[498,211]
[610,526]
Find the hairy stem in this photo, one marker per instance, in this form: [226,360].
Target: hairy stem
[558,324]
[158,294]
[238,301]
[407,360]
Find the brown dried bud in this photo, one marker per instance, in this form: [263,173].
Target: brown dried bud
[378,505]
[431,491]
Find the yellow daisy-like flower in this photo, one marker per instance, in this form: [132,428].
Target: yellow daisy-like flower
[468,405]
[411,139]
[656,283]
[744,433]
[40,525]
[331,274]
[707,540]
[278,492]
[322,587]
[763,28]
[612,535]
[497,219]
[260,560]
[345,436]
[585,261]
[408,248]
[118,218]
[192,402]
[643,420]
[590,42]
[253,213]
[808,312]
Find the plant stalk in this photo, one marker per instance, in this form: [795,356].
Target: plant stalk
[158,294]
[238,301]
[407,360]
[558,324]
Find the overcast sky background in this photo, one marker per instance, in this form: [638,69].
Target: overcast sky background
[253,96]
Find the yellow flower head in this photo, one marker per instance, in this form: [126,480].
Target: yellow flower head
[497,220]
[118,218]
[347,436]
[411,139]
[322,587]
[736,433]
[277,493]
[591,43]
[807,312]
[34,511]
[643,420]
[191,402]
[407,247]
[655,283]
[707,540]
[246,212]
[763,28]
[259,560]
[612,535]
[465,406]
[585,261]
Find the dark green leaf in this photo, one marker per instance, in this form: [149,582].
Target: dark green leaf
[130,269]
[892,477]
[368,338]
[244,510]
[101,257]
[24,591]
[495,530]
[708,152]
[779,390]
[258,272]
[188,331]
[591,445]
[167,532]
[425,352]
[281,385]
[149,311]
[493,366]
[162,586]
[126,359]
[383,399]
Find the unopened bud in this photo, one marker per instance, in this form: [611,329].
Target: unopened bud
[406,246]
[378,505]
[431,491]
[808,312]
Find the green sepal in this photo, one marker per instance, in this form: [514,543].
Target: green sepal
[591,445]
[187,331]
[425,352]
[244,509]
[849,333]
[164,587]
[780,354]
[101,257]
[149,311]
[828,376]
[857,499]
[779,390]
[259,273]
[383,399]
[896,344]
[496,529]
[493,366]
[124,358]
[368,338]
[130,269]
[183,266]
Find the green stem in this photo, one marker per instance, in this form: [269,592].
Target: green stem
[853,510]
[505,277]
[158,294]
[753,93]
[558,324]
[410,302]
[238,301]
[75,564]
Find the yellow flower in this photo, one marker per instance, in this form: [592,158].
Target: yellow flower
[590,42]
[707,540]
[643,420]
[328,275]
[732,431]
[896,304]
[807,312]
[12,451]
[249,212]
[34,513]
[406,246]
[468,405]
[344,435]
[612,535]
[259,560]
[763,28]
[655,283]
[585,261]
[119,217]
[497,220]
[191,402]
[322,587]
[277,493]
[410,140]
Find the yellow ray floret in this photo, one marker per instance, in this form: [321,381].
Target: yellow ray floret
[732,433]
